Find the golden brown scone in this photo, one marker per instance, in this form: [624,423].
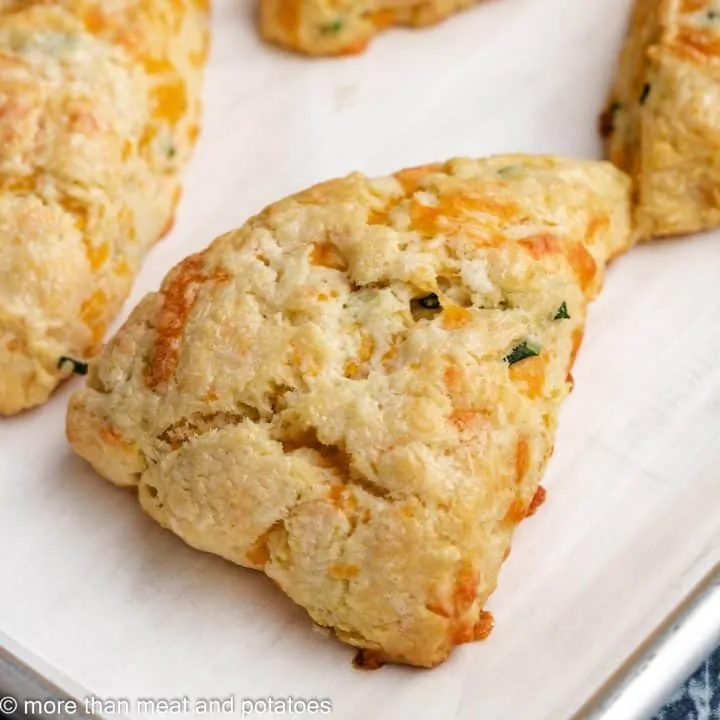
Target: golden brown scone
[357,391]
[345,27]
[662,120]
[99,109]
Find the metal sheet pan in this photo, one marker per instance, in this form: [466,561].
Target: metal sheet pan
[103,595]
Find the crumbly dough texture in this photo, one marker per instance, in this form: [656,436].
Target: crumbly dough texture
[326,393]
[662,120]
[99,109]
[345,27]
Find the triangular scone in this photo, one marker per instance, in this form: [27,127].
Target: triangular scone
[99,105]
[319,27]
[662,120]
[357,391]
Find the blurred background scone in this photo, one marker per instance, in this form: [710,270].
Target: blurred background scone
[344,27]
[99,109]
[357,391]
[662,120]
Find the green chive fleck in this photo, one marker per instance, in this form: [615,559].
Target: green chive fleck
[522,351]
[429,302]
[78,367]
[562,313]
[332,28]
[645,92]
[713,15]
[608,118]
[510,171]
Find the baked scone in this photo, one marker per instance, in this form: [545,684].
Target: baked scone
[357,391]
[662,120]
[99,109]
[345,27]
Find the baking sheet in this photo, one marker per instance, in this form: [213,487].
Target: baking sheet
[632,522]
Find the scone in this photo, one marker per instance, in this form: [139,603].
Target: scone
[99,109]
[357,391]
[662,120]
[328,27]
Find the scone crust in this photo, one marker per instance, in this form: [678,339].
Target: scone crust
[662,119]
[333,393]
[99,109]
[325,27]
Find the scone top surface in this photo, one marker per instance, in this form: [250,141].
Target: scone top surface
[357,390]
